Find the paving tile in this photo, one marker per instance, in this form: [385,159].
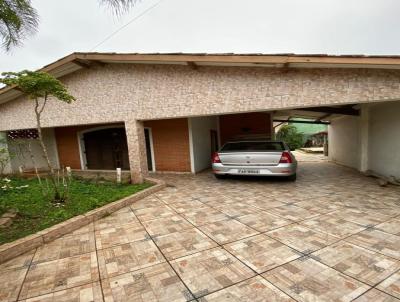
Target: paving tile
[86,293]
[292,212]
[60,274]
[309,280]
[318,206]
[363,218]
[301,238]
[147,202]
[390,226]
[157,283]
[204,215]
[263,221]
[119,235]
[237,210]
[66,246]
[10,283]
[167,225]
[333,225]
[186,205]
[128,257]
[261,252]
[255,289]
[377,241]
[211,270]
[183,243]
[374,295]
[85,229]
[122,217]
[357,262]
[265,203]
[147,214]
[229,230]
[19,262]
[125,248]
[391,285]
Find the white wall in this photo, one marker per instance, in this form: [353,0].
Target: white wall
[384,139]
[199,128]
[3,144]
[344,141]
[22,157]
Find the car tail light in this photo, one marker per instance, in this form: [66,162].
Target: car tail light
[286,158]
[215,158]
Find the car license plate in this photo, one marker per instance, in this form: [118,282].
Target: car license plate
[249,171]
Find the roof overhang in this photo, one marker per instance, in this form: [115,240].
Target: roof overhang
[79,60]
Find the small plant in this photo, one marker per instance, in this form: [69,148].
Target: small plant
[290,135]
[7,185]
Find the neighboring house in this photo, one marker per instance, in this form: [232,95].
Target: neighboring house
[168,112]
[316,139]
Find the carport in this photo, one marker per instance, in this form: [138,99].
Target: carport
[353,133]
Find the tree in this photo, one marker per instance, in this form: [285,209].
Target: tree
[290,135]
[18,19]
[39,87]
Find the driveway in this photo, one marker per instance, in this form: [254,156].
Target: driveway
[333,235]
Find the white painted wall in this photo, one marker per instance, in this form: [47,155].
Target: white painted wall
[23,158]
[378,130]
[344,141]
[4,145]
[201,141]
[384,139]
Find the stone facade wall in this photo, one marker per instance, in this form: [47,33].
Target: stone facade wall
[123,92]
[131,93]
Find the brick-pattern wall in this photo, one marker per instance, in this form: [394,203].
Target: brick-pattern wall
[171,144]
[232,125]
[68,147]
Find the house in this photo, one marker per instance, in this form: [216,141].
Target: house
[169,112]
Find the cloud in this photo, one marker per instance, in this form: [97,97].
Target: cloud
[253,26]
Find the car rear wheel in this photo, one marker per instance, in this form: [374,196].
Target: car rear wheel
[292,177]
[220,176]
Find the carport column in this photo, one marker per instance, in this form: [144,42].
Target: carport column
[4,146]
[364,137]
[136,149]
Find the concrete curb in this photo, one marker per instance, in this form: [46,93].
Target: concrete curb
[20,246]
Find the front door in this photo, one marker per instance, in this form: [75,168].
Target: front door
[106,149]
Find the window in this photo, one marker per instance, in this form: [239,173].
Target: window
[253,146]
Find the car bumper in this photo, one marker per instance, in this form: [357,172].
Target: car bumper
[278,170]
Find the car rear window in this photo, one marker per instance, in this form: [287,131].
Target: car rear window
[253,146]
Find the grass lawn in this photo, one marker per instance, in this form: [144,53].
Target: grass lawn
[35,213]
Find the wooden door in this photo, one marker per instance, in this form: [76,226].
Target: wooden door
[106,149]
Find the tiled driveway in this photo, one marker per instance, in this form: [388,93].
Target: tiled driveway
[331,236]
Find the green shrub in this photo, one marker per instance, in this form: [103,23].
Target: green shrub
[290,135]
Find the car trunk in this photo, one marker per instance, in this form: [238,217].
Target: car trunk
[266,158]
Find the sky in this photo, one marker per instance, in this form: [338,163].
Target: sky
[214,26]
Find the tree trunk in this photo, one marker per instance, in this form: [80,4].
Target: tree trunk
[44,149]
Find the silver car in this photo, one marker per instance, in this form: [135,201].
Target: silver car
[254,157]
